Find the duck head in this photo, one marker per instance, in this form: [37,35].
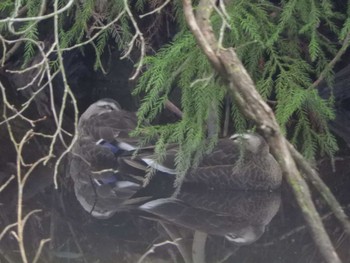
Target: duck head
[100,107]
[251,142]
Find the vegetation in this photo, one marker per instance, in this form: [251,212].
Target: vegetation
[285,47]
[288,48]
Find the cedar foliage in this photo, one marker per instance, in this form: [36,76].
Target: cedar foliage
[285,45]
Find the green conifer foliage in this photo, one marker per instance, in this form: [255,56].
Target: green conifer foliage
[285,46]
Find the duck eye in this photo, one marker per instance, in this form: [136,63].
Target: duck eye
[109,107]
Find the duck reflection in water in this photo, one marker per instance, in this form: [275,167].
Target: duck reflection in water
[239,216]
[195,219]
[107,176]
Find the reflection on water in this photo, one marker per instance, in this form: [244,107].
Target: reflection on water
[196,226]
[240,217]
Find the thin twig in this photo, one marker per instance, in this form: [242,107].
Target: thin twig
[138,34]
[6,229]
[172,107]
[3,186]
[152,249]
[38,252]
[323,189]
[331,64]
[36,18]
[68,92]
[8,54]
[156,10]
[102,28]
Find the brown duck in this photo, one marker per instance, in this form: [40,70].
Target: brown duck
[241,162]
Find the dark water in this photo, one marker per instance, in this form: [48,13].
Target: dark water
[199,226]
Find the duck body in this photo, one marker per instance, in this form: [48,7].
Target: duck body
[240,162]
[103,136]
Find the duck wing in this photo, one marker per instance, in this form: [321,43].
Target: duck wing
[226,152]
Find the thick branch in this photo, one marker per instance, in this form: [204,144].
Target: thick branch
[253,106]
[197,32]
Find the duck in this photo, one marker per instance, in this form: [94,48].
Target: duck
[103,136]
[240,162]
[105,154]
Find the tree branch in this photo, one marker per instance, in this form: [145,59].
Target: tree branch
[314,178]
[251,104]
[331,64]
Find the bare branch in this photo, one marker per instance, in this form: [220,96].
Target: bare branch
[156,10]
[102,28]
[313,177]
[6,229]
[170,106]
[38,252]
[2,187]
[36,18]
[138,34]
[152,249]
[67,91]
[331,64]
